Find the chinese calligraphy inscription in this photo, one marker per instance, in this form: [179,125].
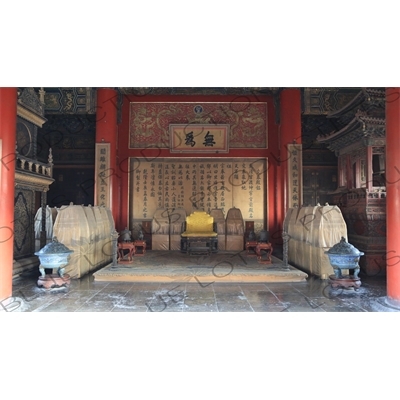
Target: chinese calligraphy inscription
[103,174]
[295,176]
[204,138]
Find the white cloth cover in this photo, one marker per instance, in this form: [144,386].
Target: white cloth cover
[86,231]
[312,231]
[50,213]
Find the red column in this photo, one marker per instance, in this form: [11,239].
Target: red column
[8,124]
[107,132]
[393,195]
[290,132]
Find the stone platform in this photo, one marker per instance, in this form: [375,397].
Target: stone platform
[174,266]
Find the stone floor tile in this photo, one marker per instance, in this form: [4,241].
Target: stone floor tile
[323,301]
[224,302]
[264,304]
[227,307]
[196,286]
[64,306]
[32,291]
[314,290]
[200,309]
[80,294]
[227,287]
[145,301]
[302,302]
[262,296]
[145,286]
[111,294]
[380,305]
[202,303]
[119,286]
[304,309]
[345,307]
[160,303]
[36,300]
[124,308]
[87,283]
[177,286]
[290,297]
[366,304]
[37,305]
[281,289]
[252,287]
[165,307]
[110,297]
[128,301]
[268,307]
[144,295]
[96,306]
[199,294]
[231,296]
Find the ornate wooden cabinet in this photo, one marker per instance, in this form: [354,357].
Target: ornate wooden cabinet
[318,182]
[32,179]
[359,142]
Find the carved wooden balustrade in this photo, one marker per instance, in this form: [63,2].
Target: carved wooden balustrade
[37,167]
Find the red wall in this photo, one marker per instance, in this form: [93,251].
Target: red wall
[273,215]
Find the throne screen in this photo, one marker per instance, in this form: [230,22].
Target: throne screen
[200,184]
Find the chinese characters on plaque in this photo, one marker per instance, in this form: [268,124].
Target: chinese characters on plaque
[102,174]
[295,175]
[207,138]
[204,184]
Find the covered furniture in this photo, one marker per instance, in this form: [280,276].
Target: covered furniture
[160,229]
[87,230]
[311,232]
[176,227]
[219,222]
[199,235]
[234,230]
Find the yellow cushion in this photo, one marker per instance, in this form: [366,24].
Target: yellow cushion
[199,224]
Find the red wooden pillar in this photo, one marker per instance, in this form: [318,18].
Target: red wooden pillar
[8,124]
[393,196]
[107,132]
[290,132]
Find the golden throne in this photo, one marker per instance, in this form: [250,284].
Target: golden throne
[200,234]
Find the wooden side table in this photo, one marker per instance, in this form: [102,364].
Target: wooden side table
[267,248]
[142,244]
[131,252]
[251,245]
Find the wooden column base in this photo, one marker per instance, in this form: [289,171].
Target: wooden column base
[53,281]
[344,282]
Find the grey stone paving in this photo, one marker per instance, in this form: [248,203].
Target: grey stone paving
[87,295]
